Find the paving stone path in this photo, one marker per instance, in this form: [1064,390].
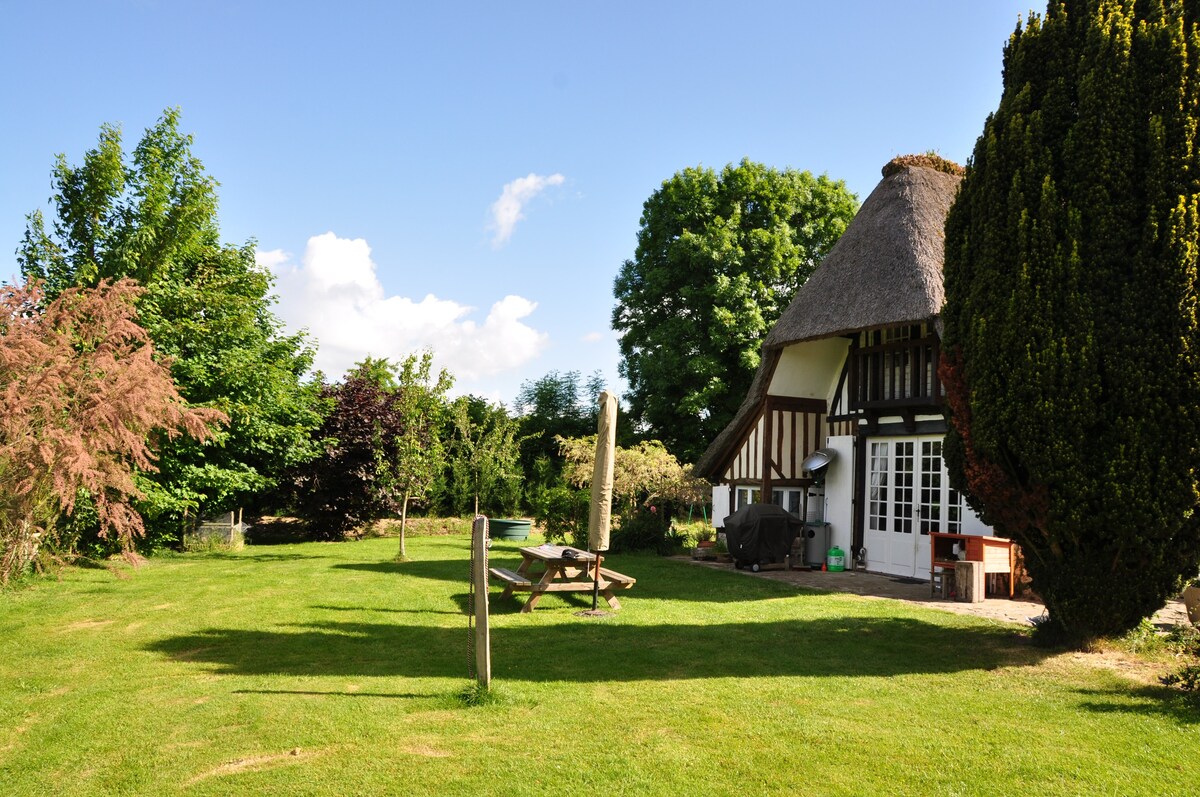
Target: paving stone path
[874,585]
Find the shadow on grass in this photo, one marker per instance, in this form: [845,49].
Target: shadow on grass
[238,556]
[439,569]
[387,611]
[403,695]
[655,578]
[498,605]
[590,651]
[1156,701]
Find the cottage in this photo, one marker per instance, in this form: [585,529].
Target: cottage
[850,371]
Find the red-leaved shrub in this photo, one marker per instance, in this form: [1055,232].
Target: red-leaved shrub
[81,396]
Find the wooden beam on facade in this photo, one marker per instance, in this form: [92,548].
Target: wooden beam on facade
[765,445]
[794,404]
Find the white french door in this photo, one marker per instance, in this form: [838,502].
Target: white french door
[908,496]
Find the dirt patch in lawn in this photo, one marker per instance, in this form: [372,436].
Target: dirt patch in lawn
[83,625]
[252,763]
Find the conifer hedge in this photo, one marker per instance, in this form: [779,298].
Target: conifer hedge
[1071,346]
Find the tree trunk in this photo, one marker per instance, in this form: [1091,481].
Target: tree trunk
[476,505]
[403,523]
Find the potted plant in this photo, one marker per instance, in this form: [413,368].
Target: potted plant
[1191,600]
[704,544]
[722,549]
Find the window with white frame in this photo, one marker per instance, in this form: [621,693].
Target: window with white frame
[790,498]
[746,496]
[954,511]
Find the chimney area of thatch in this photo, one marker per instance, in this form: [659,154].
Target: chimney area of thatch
[930,160]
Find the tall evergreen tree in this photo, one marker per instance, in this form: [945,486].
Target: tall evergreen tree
[1071,347]
[483,462]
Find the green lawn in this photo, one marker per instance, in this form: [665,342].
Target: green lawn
[329,669]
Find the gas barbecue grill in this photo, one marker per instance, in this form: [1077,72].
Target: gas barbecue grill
[759,534]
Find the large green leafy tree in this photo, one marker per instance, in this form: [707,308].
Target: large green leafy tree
[1071,339]
[153,217]
[718,258]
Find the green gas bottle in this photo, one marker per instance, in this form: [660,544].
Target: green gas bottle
[835,560]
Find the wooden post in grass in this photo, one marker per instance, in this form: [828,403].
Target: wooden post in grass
[479,579]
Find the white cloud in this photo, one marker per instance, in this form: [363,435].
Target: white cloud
[271,259]
[334,293]
[507,210]
[593,337]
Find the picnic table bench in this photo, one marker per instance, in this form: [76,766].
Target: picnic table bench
[559,568]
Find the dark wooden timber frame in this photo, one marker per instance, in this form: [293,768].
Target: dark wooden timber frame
[835,409]
[861,398]
[858,502]
[867,375]
[772,450]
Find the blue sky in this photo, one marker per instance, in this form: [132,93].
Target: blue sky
[469,176]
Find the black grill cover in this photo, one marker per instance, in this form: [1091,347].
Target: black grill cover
[761,533]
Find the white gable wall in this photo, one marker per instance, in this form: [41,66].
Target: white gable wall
[810,369]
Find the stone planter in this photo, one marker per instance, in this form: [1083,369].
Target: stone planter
[1191,602]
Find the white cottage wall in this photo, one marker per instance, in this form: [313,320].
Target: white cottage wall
[810,369]
[839,493]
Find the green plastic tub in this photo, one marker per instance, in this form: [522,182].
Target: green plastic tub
[507,529]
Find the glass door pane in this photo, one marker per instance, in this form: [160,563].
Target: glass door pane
[931,486]
[877,501]
[902,493]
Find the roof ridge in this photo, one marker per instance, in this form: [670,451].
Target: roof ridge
[928,160]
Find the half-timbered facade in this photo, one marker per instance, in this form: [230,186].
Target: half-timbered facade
[851,368]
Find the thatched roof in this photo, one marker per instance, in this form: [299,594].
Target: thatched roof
[885,270]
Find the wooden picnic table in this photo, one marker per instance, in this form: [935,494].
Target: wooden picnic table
[559,568]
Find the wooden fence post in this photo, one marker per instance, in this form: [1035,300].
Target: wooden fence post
[479,576]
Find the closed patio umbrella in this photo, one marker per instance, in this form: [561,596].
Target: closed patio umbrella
[600,516]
